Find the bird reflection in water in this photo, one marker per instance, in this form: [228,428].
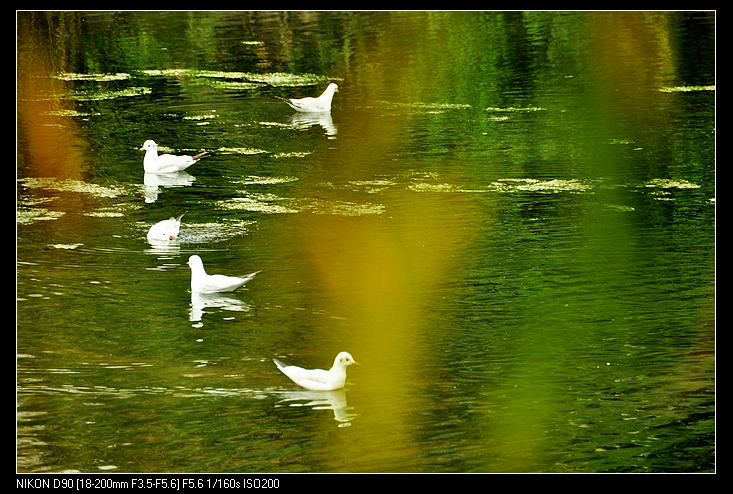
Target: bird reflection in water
[322,118]
[152,181]
[201,301]
[320,400]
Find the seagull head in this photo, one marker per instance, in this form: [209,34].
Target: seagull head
[344,359]
[148,145]
[195,261]
[333,87]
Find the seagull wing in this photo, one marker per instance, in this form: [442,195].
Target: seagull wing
[313,379]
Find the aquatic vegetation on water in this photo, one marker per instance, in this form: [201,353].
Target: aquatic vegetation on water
[513,109]
[668,183]
[258,180]
[292,154]
[70,113]
[542,186]
[212,231]
[104,214]
[431,187]
[343,208]
[261,203]
[69,185]
[685,89]
[508,185]
[225,150]
[276,79]
[370,186]
[70,76]
[103,95]
[273,204]
[201,116]
[26,216]
[285,79]
[235,85]
[65,246]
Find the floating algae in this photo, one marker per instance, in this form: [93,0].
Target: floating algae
[235,85]
[104,95]
[70,113]
[225,150]
[685,89]
[65,246]
[514,109]
[201,116]
[26,216]
[260,203]
[71,76]
[541,186]
[668,183]
[258,180]
[342,208]
[69,185]
[277,79]
[292,154]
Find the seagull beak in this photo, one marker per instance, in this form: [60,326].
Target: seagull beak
[141,149]
[356,363]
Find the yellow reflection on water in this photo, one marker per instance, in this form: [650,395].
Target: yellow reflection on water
[53,145]
[378,273]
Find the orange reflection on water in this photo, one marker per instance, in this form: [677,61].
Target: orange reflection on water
[54,147]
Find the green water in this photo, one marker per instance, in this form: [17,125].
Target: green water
[508,220]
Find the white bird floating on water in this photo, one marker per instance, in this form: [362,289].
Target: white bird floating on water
[165,231]
[165,163]
[319,379]
[201,282]
[319,104]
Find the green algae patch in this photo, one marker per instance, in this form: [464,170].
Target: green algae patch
[515,109]
[244,151]
[70,113]
[258,180]
[259,203]
[685,89]
[285,79]
[235,85]
[26,216]
[69,185]
[292,154]
[65,246]
[105,95]
[276,79]
[342,208]
[200,117]
[541,186]
[71,76]
[667,183]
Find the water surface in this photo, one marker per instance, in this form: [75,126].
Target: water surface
[507,218]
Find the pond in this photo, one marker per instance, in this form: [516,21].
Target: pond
[507,218]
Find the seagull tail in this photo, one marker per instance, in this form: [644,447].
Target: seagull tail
[288,101]
[249,276]
[279,364]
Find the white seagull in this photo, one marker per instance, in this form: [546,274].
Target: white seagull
[201,282]
[319,379]
[165,163]
[166,230]
[319,104]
